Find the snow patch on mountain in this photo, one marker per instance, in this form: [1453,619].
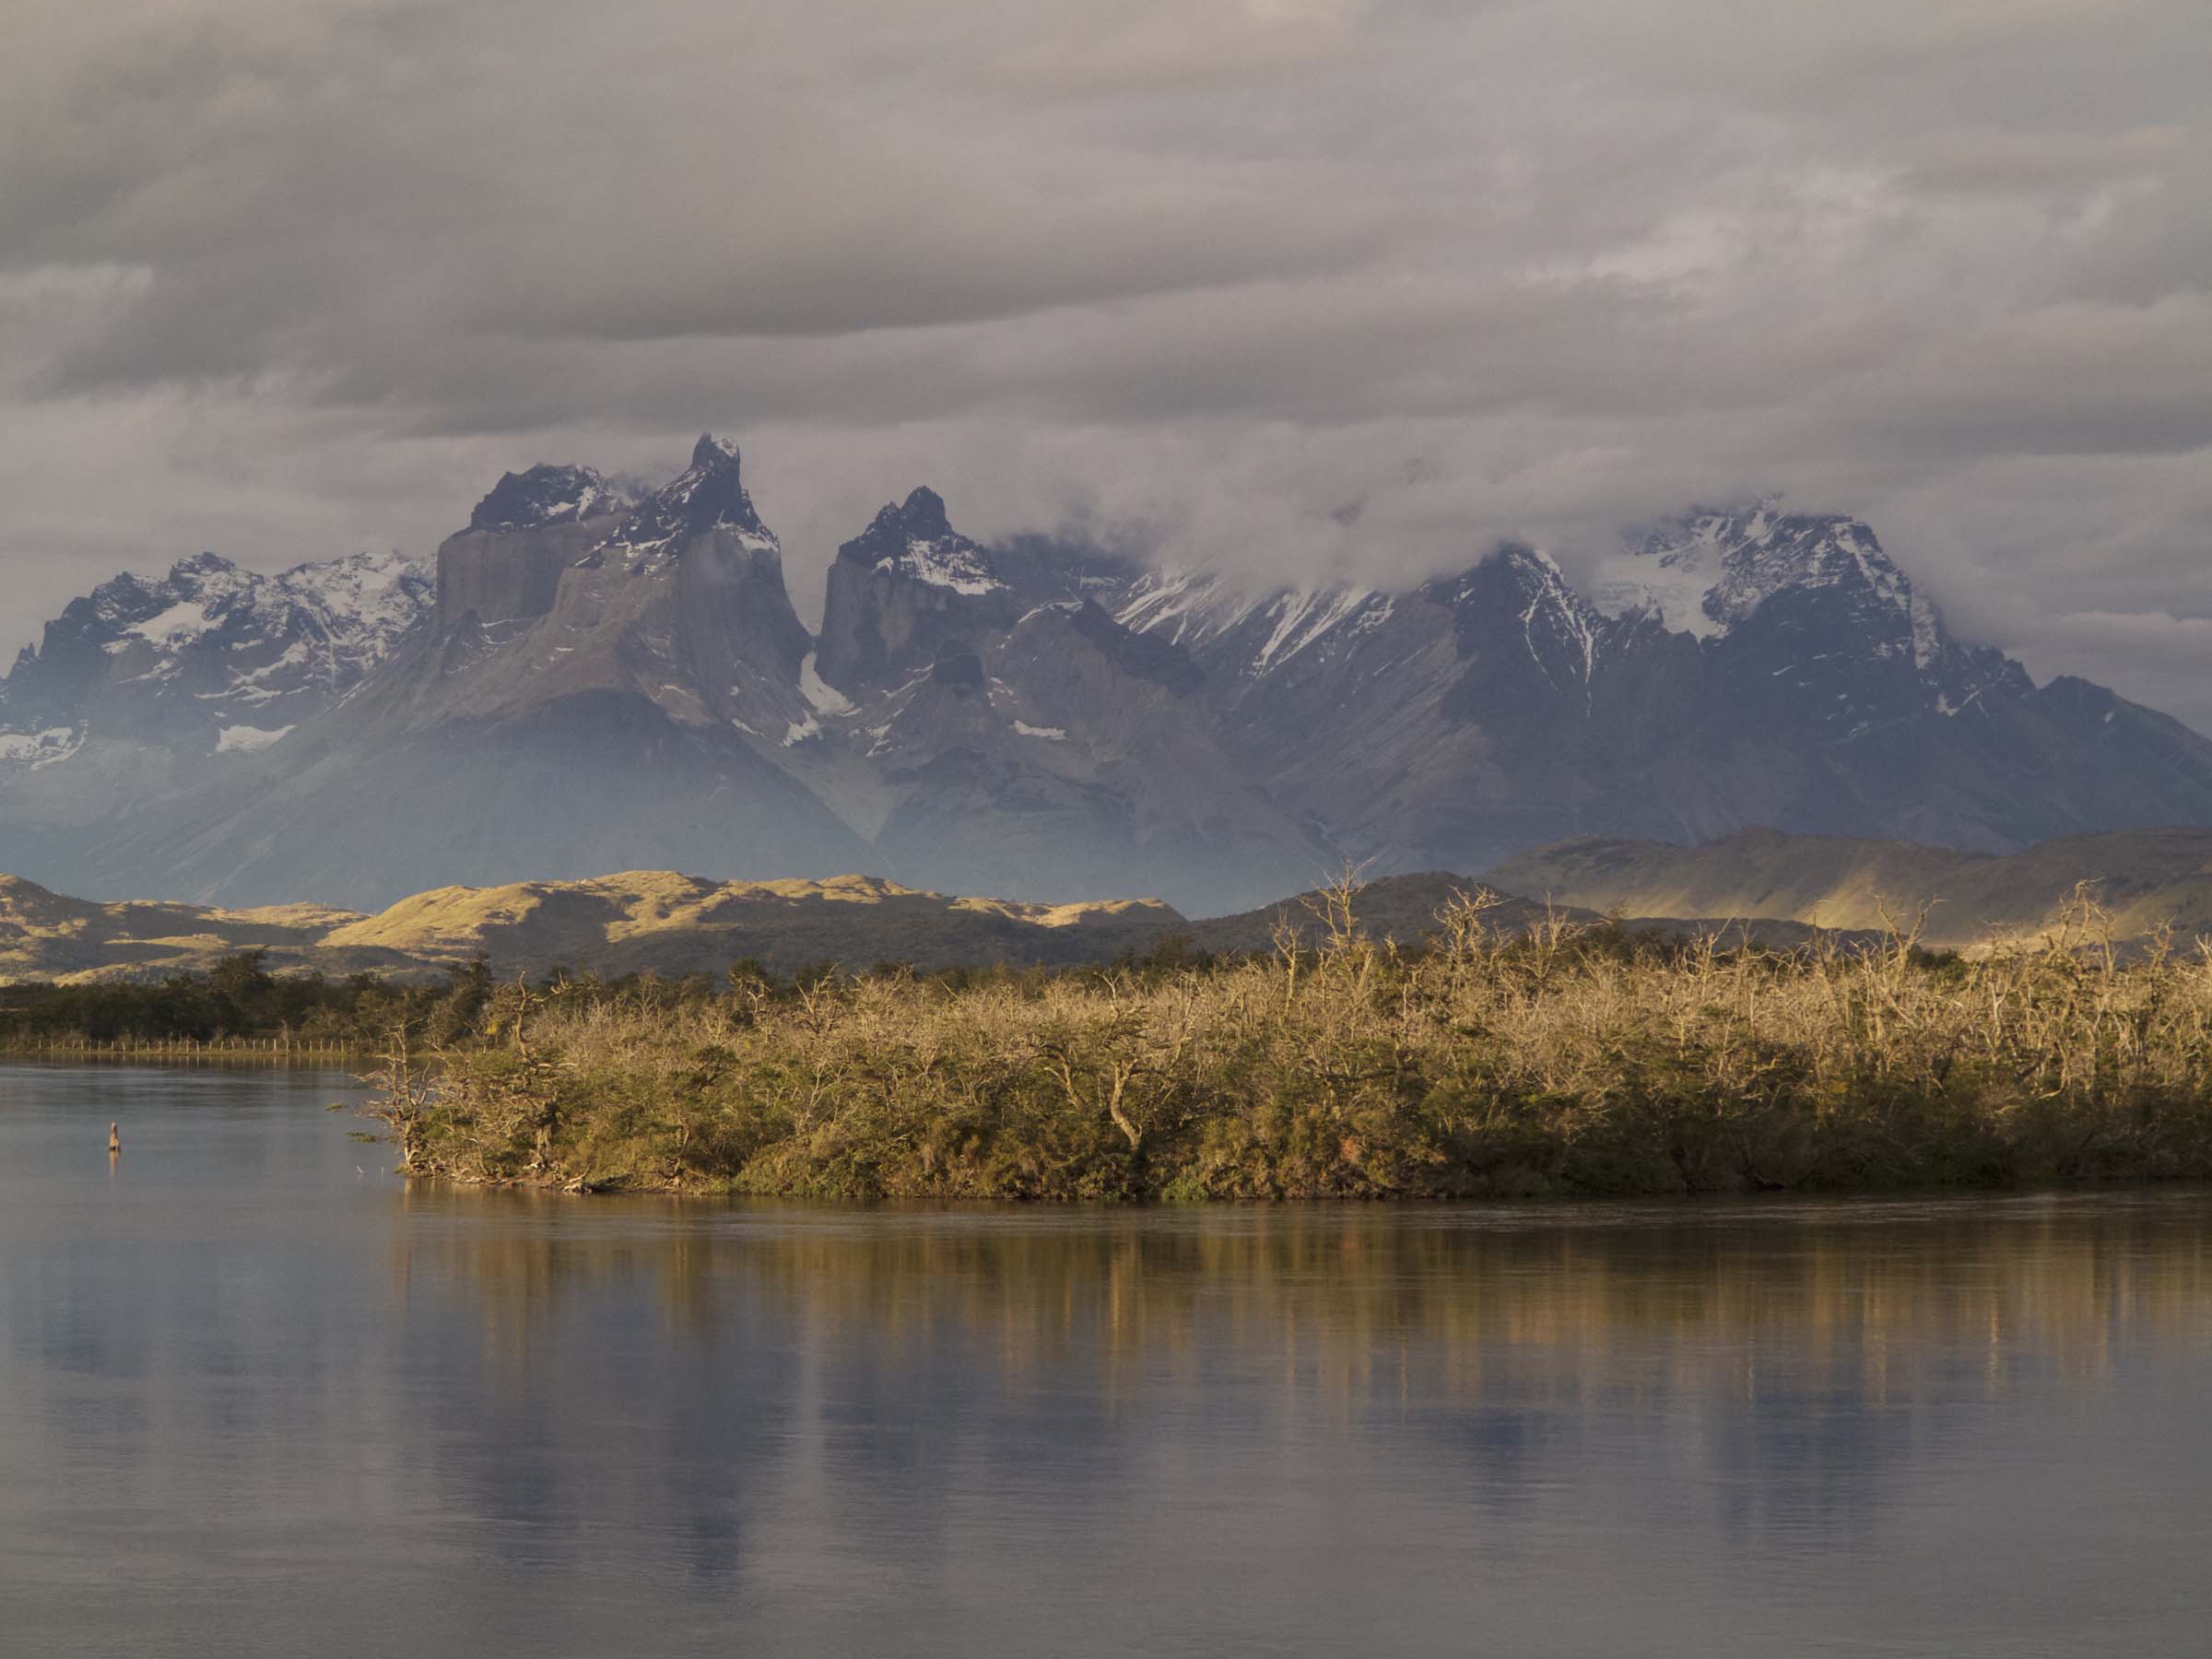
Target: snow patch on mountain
[1673,585]
[364,602]
[946,561]
[182,622]
[546,495]
[1928,639]
[248,740]
[174,661]
[1302,616]
[823,697]
[1196,608]
[38,748]
[914,541]
[1709,570]
[1559,625]
[1188,607]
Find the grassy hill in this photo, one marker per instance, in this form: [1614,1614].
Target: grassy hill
[45,936]
[1776,889]
[613,924]
[677,924]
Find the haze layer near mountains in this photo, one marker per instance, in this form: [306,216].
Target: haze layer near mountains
[602,676]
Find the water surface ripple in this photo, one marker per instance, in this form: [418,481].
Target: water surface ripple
[257,1396]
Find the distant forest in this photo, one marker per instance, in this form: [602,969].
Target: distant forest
[238,1000]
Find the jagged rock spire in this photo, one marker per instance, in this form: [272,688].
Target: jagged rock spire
[712,454]
[707,495]
[915,539]
[925,512]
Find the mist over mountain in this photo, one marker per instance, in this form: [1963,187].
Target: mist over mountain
[599,678]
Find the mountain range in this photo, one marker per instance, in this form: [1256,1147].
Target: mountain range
[598,677]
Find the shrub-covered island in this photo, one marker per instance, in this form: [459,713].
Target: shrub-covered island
[1556,1060]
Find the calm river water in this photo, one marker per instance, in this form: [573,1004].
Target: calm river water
[257,1396]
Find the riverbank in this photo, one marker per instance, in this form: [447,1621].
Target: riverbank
[1565,1062]
[185,1050]
[239,1011]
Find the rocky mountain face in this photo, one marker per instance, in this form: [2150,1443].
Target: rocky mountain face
[208,659]
[992,726]
[606,680]
[603,683]
[149,688]
[1418,726]
[508,564]
[1745,667]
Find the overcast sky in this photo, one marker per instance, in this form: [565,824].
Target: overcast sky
[289,278]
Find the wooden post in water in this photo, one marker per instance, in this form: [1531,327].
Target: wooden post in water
[114,1139]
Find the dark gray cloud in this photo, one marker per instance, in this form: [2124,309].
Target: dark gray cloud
[286,277]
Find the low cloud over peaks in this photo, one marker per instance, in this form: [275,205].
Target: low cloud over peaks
[324,270]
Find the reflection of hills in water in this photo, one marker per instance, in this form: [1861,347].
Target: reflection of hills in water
[1765,1367]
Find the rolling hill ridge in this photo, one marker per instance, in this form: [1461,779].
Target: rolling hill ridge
[1767,888]
[2144,880]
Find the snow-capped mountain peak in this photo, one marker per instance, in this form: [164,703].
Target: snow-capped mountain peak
[363,602]
[1709,571]
[211,658]
[707,496]
[923,512]
[1811,609]
[915,540]
[546,495]
[907,589]
[710,452]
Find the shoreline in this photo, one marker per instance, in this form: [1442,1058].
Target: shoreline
[181,1051]
[1700,1200]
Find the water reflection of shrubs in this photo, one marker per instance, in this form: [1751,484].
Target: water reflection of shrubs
[1897,1290]
[1561,1062]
